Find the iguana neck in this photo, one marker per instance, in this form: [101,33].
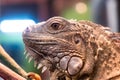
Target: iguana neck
[108,57]
[106,48]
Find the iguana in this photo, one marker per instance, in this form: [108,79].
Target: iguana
[74,50]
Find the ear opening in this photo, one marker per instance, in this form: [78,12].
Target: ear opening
[77,38]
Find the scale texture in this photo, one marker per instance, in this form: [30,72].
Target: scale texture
[74,50]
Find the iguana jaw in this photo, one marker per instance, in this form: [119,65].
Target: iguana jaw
[50,52]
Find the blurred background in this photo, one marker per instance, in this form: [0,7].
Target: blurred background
[16,15]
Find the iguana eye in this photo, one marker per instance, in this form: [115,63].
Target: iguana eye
[56,26]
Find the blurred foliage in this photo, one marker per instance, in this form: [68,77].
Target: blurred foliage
[72,14]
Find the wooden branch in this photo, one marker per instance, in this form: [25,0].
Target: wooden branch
[4,54]
[7,73]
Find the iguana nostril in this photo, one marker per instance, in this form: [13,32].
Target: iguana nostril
[74,65]
[27,29]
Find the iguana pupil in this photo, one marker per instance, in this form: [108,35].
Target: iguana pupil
[55,26]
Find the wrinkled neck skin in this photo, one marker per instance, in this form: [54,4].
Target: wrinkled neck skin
[107,66]
[106,48]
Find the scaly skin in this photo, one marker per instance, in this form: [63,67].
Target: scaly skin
[74,50]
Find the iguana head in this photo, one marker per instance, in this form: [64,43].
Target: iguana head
[62,45]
